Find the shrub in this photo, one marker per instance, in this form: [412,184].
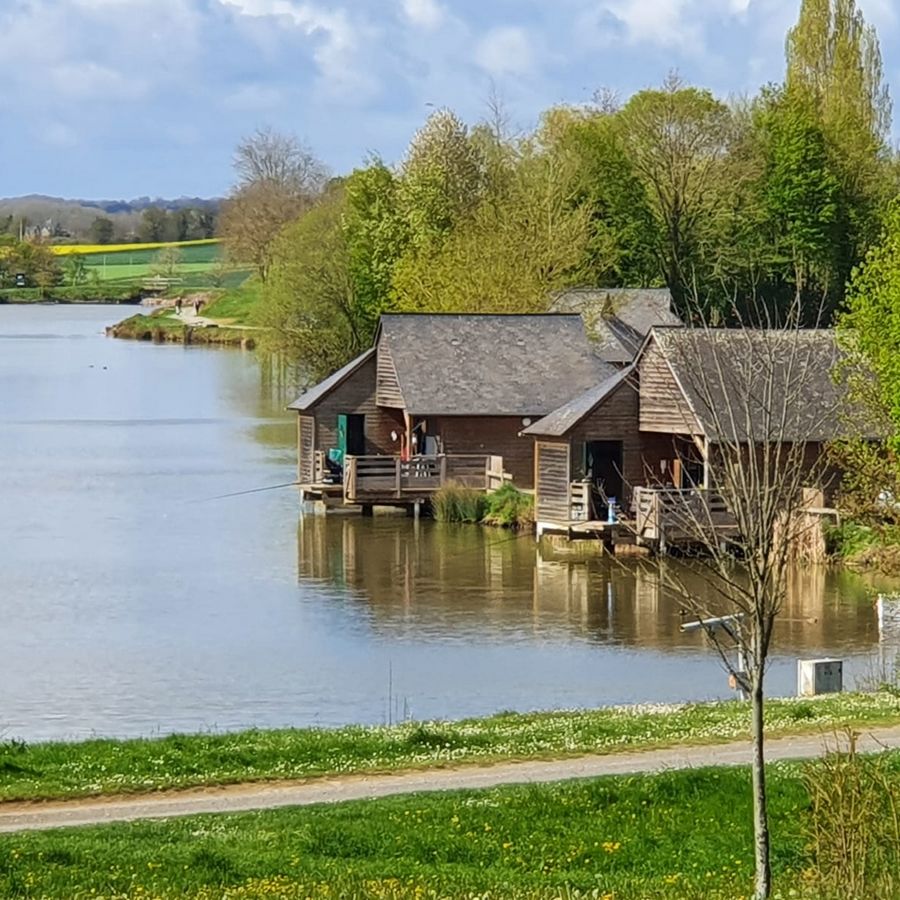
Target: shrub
[455,503]
[509,507]
[854,824]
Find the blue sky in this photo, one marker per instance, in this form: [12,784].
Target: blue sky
[120,98]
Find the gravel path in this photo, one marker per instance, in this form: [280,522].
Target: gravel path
[245,797]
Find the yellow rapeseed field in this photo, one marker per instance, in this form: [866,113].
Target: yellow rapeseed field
[87,249]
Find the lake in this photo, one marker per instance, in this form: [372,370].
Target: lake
[138,599]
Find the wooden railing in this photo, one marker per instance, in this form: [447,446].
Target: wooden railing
[671,515]
[373,478]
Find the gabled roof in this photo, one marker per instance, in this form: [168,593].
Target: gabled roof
[758,385]
[618,319]
[489,365]
[317,392]
[566,417]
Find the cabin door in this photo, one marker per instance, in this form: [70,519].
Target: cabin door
[351,435]
[603,467]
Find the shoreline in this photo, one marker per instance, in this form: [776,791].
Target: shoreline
[109,767]
[163,330]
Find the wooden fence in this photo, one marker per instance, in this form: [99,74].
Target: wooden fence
[672,516]
[374,479]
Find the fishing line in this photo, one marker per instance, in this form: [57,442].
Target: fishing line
[271,487]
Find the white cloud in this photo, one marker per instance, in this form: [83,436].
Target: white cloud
[338,41]
[505,51]
[661,22]
[428,14]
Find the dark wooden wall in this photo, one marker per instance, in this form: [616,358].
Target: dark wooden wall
[356,395]
[496,435]
[615,419]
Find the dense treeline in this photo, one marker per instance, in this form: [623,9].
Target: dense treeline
[731,204]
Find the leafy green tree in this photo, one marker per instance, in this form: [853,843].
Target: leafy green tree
[870,325]
[834,60]
[155,225]
[309,304]
[620,248]
[508,256]
[75,269]
[676,139]
[376,237]
[442,180]
[102,230]
[802,192]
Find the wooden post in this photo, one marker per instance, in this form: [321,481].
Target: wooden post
[398,469]
[443,469]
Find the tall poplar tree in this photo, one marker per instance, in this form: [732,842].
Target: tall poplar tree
[834,63]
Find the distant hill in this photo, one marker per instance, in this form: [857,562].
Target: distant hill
[74,217]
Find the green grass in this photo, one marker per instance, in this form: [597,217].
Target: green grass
[236,306]
[455,503]
[680,834]
[58,770]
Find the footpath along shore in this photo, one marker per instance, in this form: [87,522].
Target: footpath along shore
[52,784]
[248,797]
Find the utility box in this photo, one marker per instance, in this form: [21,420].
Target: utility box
[819,676]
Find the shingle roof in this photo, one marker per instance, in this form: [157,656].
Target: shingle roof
[760,385]
[315,393]
[618,319]
[490,365]
[557,423]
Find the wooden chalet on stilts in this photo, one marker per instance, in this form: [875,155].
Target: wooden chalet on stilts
[627,458]
[438,399]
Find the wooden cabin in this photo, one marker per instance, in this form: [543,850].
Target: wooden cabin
[441,398]
[645,435]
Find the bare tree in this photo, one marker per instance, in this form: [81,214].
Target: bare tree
[279,179]
[758,404]
[281,160]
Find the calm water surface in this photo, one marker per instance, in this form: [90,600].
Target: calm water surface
[135,600]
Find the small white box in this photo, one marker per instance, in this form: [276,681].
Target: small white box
[819,676]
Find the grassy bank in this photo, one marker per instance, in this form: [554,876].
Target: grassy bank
[674,835]
[230,309]
[57,770]
[163,328]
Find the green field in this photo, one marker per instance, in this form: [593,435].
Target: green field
[131,265]
[675,835]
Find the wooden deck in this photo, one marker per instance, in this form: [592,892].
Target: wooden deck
[659,518]
[392,481]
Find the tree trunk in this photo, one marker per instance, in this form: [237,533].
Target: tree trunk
[760,810]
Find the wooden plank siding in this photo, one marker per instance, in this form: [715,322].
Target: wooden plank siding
[552,477]
[356,395]
[387,384]
[615,419]
[663,406]
[494,435]
[306,444]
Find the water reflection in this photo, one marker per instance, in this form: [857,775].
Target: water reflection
[427,578]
